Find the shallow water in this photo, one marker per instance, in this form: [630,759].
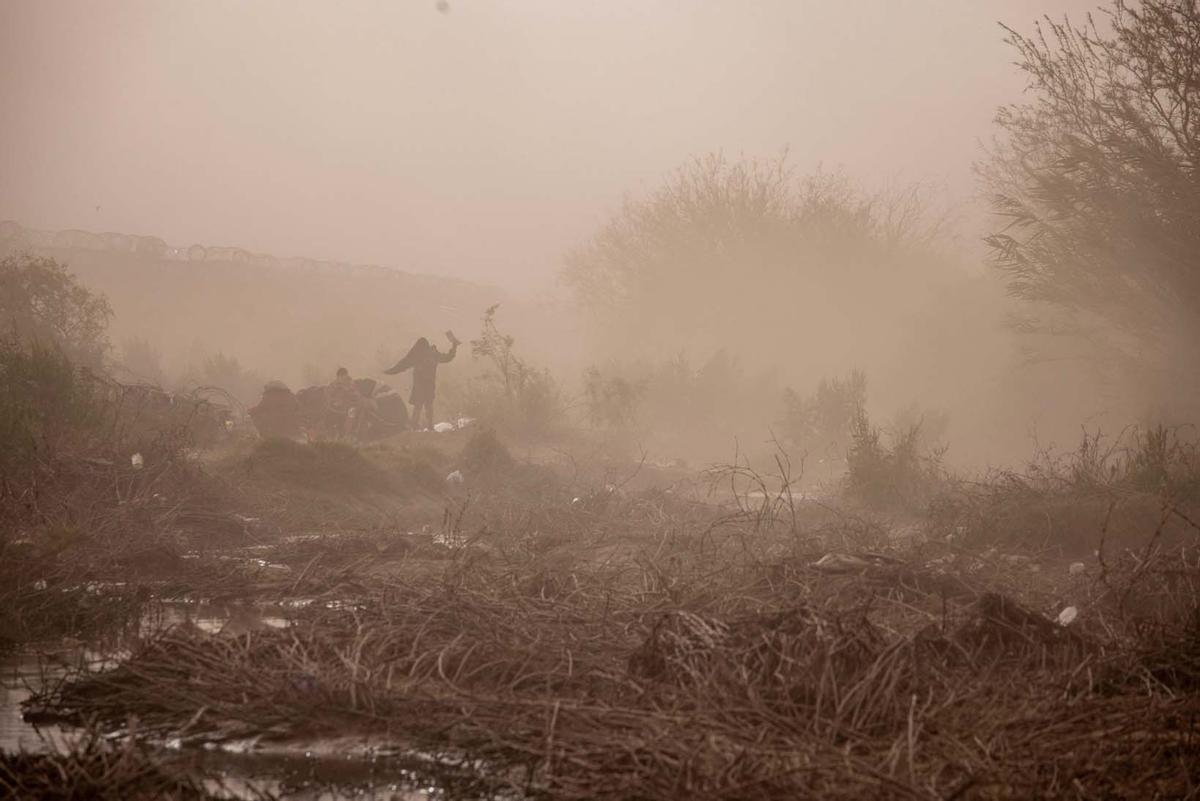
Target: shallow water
[320,770]
[21,675]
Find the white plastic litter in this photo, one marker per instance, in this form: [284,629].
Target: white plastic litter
[137,461]
[1067,616]
[463,422]
[40,584]
[455,478]
[840,563]
[1077,568]
[443,428]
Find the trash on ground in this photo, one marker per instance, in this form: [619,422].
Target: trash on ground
[840,563]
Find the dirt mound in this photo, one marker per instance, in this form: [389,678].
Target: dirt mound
[333,466]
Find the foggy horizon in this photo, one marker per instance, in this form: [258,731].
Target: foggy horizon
[482,143]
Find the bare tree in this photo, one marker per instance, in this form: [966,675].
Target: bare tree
[745,241]
[1096,186]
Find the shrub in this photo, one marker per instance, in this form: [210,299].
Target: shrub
[485,454]
[895,475]
[45,403]
[41,302]
[679,407]
[824,420]
[1131,491]
[1153,460]
[513,395]
[612,401]
[1159,459]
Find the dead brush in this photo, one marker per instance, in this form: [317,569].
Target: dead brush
[815,667]
[81,513]
[668,668]
[92,767]
[1149,599]
[767,499]
[1064,501]
[81,544]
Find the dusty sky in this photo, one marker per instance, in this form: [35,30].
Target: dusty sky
[481,142]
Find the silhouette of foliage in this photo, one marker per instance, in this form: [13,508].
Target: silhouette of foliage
[40,301]
[1096,186]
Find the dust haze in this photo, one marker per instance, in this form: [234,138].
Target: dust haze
[493,144]
[548,400]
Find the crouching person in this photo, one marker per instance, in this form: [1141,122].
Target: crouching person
[350,409]
[277,413]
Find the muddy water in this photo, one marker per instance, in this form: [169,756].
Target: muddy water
[323,770]
[21,675]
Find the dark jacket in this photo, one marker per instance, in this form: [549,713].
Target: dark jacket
[424,362]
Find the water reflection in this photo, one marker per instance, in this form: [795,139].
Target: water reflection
[324,770]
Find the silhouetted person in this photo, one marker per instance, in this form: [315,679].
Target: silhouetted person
[424,358]
[278,413]
[349,407]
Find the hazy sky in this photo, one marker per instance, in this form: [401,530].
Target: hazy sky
[481,142]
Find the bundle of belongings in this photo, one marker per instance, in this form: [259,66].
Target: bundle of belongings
[361,409]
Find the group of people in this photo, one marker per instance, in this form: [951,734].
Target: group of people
[348,411]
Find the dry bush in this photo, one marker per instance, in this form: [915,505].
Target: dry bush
[484,454]
[96,769]
[512,395]
[1142,486]
[821,423]
[41,303]
[82,524]
[897,475]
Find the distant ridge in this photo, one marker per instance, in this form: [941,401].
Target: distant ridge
[14,236]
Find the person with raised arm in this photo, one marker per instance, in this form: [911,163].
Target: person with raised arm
[423,359]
